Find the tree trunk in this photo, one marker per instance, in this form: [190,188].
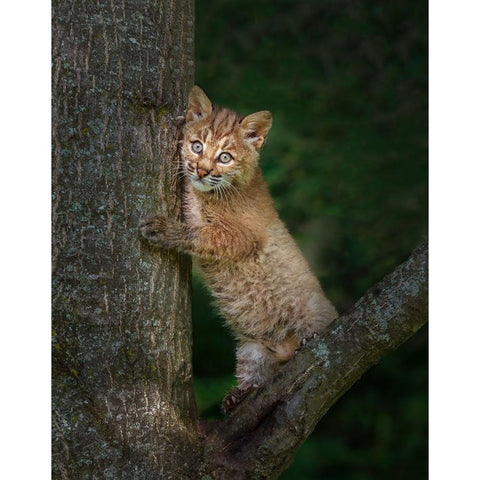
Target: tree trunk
[123,405]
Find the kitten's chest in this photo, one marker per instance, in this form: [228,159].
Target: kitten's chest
[196,212]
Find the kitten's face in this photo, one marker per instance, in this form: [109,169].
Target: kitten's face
[219,148]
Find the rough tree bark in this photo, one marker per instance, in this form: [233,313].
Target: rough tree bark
[123,405]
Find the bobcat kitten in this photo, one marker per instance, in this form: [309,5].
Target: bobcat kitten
[255,271]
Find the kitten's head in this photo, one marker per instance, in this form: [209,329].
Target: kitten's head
[219,147]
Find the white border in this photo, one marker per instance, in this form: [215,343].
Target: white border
[454,239]
[25,251]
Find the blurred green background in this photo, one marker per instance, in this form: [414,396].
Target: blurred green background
[346,161]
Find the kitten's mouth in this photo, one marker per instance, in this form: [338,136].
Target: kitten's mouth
[201,184]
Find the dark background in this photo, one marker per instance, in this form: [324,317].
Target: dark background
[346,161]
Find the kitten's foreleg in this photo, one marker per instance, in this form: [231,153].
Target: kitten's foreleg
[167,233]
[209,241]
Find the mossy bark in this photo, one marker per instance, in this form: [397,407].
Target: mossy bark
[123,405]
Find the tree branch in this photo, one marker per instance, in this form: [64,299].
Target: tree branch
[260,438]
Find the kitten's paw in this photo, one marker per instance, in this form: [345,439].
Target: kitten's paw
[153,227]
[305,340]
[233,398]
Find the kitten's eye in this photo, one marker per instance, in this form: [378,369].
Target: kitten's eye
[197,147]
[225,157]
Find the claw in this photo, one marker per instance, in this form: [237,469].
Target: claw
[233,398]
[305,340]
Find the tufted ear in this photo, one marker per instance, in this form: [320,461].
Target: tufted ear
[199,105]
[256,127]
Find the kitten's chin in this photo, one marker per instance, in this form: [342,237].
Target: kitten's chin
[201,186]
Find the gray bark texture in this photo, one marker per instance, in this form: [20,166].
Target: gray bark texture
[122,392]
[123,405]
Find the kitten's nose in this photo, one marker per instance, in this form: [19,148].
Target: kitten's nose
[202,172]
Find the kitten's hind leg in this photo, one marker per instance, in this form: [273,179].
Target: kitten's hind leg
[255,364]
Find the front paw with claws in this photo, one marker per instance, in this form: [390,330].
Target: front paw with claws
[153,229]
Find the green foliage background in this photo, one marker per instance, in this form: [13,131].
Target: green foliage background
[346,161]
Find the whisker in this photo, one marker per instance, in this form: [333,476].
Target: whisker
[220,190]
[232,189]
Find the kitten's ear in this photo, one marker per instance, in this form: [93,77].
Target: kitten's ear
[256,127]
[199,105]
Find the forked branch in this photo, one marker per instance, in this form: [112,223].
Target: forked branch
[260,438]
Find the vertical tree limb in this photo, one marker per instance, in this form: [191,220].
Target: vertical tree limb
[122,380]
